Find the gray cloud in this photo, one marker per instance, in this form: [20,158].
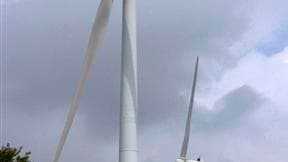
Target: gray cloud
[236,106]
[45,66]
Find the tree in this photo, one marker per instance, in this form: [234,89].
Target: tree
[10,154]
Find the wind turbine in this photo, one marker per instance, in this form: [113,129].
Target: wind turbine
[183,154]
[128,123]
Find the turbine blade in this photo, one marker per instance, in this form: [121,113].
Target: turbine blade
[95,40]
[188,122]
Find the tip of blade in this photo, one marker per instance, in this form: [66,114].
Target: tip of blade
[197,60]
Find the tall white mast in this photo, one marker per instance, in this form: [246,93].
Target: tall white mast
[128,119]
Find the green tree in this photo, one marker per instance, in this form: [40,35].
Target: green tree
[10,154]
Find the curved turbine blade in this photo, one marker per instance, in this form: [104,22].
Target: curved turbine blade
[96,38]
[188,122]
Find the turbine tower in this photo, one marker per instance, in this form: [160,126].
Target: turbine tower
[128,114]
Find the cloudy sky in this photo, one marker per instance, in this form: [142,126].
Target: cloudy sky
[241,100]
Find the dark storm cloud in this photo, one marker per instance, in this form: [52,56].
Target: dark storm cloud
[44,68]
[230,111]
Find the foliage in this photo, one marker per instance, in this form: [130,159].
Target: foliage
[10,154]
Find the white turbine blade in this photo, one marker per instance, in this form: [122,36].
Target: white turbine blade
[188,122]
[96,38]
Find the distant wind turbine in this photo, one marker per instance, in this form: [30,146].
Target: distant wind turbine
[184,149]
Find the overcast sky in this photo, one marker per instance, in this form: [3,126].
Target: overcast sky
[241,105]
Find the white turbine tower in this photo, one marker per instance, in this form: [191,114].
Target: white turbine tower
[183,154]
[128,118]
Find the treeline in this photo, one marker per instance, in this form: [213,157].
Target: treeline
[12,154]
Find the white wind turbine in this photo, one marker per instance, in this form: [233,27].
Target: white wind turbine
[128,123]
[183,154]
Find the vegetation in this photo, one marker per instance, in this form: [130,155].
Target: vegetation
[10,154]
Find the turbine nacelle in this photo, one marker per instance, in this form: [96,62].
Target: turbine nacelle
[187,160]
